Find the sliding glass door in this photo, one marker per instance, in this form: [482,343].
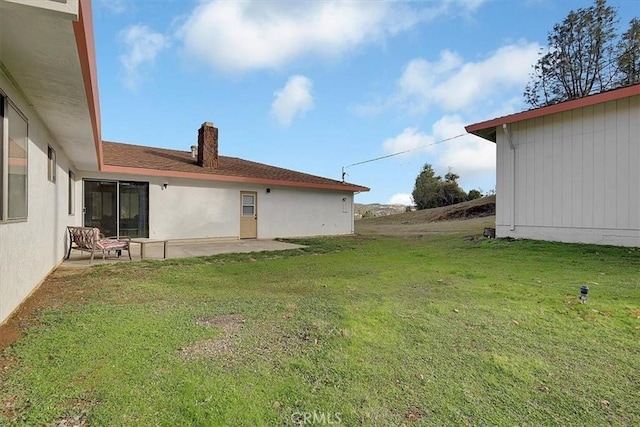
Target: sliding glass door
[117,208]
[134,209]
[100,206]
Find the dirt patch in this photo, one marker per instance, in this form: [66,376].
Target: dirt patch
[477,208]
[413,415]
[228,322]
[56,290]
[9,406]
[78,416]
[207,348]
[467,212]
[76,420]
[230,325]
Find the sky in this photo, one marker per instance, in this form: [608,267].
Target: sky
[316,86]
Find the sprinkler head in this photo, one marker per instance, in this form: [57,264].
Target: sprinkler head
[584,291]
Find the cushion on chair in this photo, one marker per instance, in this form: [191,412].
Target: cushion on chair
[111,244]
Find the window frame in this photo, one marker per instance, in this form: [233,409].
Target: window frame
[51,164]
[71,193]
[5,105]
[252,205]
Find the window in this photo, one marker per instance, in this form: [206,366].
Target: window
[117,207]
[72,193]
[248,205]
[51,164]
[14,161]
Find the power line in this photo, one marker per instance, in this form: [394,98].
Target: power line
[400,152]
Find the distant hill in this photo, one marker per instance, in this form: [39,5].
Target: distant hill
[377,209]
[485,206]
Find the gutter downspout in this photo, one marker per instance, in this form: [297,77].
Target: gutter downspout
[507,133]
[353,212]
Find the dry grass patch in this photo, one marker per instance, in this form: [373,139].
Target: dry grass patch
[230,324]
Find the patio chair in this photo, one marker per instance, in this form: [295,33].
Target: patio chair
[89,239]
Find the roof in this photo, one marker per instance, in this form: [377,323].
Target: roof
[47,54]
[141,160]
[54,65]
[487,129]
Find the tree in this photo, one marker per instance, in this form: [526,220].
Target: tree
[430,191]
[580,57]
[628,55]
[451,193]
[425,190]
[369,214]
[474,194]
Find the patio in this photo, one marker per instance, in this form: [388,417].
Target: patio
[178,249]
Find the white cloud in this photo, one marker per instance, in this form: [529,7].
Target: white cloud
[251,34]
[409,139]
[401,199]
[143,46]
[114,6]
[468,156]
[452,84]
[293,99]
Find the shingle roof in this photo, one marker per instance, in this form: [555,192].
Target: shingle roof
[119,157]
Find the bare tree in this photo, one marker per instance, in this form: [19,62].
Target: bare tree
[629,54]
[580,58]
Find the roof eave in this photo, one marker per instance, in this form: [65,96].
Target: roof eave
[83,30]
[48,57]
[60,9]
[235,179]
[487,129]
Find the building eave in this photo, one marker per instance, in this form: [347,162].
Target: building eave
[487,129]
[65,9]
[48,57]
[234,179]
[83,29]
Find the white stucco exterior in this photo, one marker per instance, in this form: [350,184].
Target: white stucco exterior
[48,73]
[193,209]
[31,249]
[577,176]
[289,212]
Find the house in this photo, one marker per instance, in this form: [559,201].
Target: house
[570,172]
[55,170]
[170,194]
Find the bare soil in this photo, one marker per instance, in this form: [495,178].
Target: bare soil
[54,291]
[467,217]
[230,325]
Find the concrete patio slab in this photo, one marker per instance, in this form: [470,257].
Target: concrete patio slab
[179,249]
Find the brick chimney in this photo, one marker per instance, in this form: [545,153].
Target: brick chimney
[208,146]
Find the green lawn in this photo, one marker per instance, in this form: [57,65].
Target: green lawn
[437,330]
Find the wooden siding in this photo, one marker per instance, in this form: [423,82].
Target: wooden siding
[577,169]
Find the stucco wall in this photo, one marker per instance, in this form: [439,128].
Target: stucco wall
[288,212]
[30,249]
[189,209]
[577,176]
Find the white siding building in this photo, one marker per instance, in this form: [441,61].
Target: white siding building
[570,172]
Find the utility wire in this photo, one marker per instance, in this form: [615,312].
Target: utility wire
[400,152]
[599,69]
